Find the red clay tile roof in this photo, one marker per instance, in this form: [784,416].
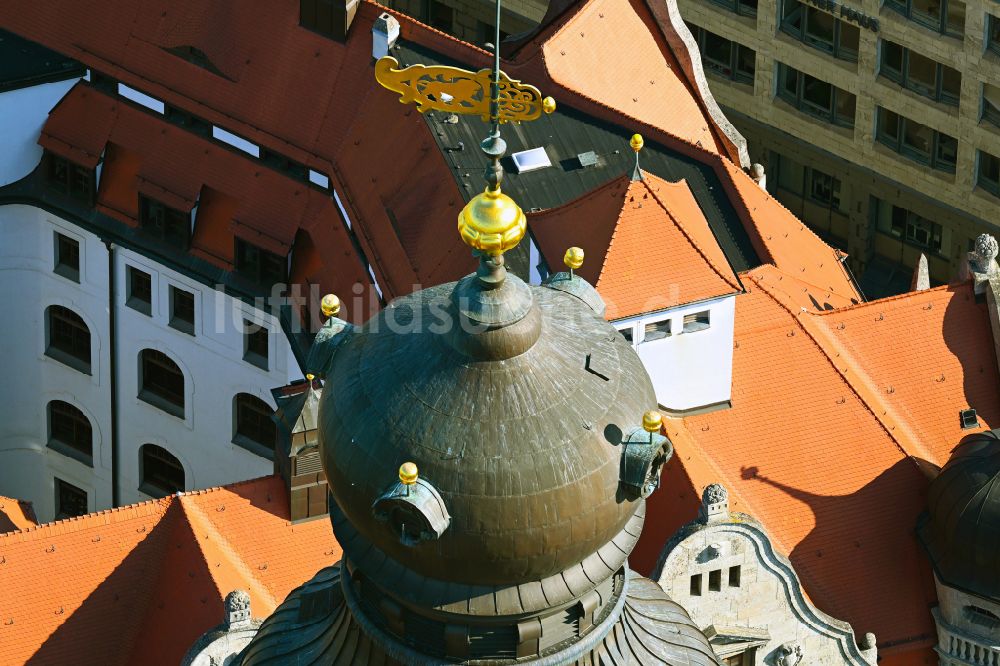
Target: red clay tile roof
[826,458]
[15,514]
[646,243]
[141,583]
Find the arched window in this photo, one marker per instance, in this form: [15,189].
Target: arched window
[161,382]
[67,338]
[253,427]
[161,473]
[70,432]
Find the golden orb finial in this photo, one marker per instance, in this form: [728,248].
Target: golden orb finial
[573,258]
[330,305]
[548,105]
[636,142]
[310,376]
[408,473]
[652,421]
[492,222]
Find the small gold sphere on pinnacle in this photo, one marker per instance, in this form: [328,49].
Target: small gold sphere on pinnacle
[330,305]
[548,105]
[408,473]
[652,421]
[573,258]
[636,142]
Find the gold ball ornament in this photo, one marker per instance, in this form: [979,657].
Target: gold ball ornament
[408,473]
[492,222]
[330,305]
[548,105]
[573,258]
[652,421]
[636,142]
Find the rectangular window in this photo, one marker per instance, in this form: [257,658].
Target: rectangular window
[989,173]
[789,174]
[627,334]
[67,256]
[920,74]
[656,330]
[182,309]
[440,16]
[734,576]
[916,141]
[726,58]
[824,188]
[741,7]
[696,585]
[911,227]
[168,224]
[991,103]
[139,290]
[944,16]
[820,30]
[696,321]
[815,97]
[69,178]
[70,500]
[255,344]
[715,580]
[259,265]
[993,33]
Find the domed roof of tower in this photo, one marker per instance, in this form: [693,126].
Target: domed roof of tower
[962,529]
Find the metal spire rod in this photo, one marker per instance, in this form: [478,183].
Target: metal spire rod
[493,145]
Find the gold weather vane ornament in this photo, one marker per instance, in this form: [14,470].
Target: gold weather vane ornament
[444,88]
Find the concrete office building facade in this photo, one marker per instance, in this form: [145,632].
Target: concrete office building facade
[877,122]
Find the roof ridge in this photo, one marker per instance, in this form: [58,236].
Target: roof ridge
[611,241]
[890,299]
[888,428]
[116,515]
[686,235]
[755,272]
[234,484]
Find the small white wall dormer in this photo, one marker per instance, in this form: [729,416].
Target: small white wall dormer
[688,351]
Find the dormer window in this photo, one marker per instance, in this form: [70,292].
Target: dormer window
[70,178]
[259,265]
[171,226]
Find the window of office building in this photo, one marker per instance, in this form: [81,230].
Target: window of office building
[993,33]
[259,265]
[70,432]
[721,56]
[742,7]
[161,382]
[823,188]
[168,224]
[944,16]
[70,500]
[67,257]
[67,338]
[907,225]
[989,173]
[440,15]
[253,426]
[70,178]
[920,74]
[161,472]
[182,309]
[916,140]
[820,30]
[815,97]
[991,103]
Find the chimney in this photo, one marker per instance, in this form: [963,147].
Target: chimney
[331,18]
[385,32]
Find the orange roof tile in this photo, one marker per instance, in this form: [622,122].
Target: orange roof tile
[16,514]
[641,256]
[787,241]
[142,583]
[644,81]
[803,452]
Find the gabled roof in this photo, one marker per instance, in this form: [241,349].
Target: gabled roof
[647,245]
[16,514]
[139,584]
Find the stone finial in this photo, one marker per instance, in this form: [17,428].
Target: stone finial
[759,175]
[714,504]
[869,649]
[789,654]
[385,32]
[921,275]
[237,609]
[983,259]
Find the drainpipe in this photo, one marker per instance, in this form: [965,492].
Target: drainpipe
[113,370]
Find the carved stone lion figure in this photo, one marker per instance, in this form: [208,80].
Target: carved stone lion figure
[789,654]
[983,258]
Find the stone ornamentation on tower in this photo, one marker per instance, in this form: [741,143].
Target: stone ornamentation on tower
[983,260]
